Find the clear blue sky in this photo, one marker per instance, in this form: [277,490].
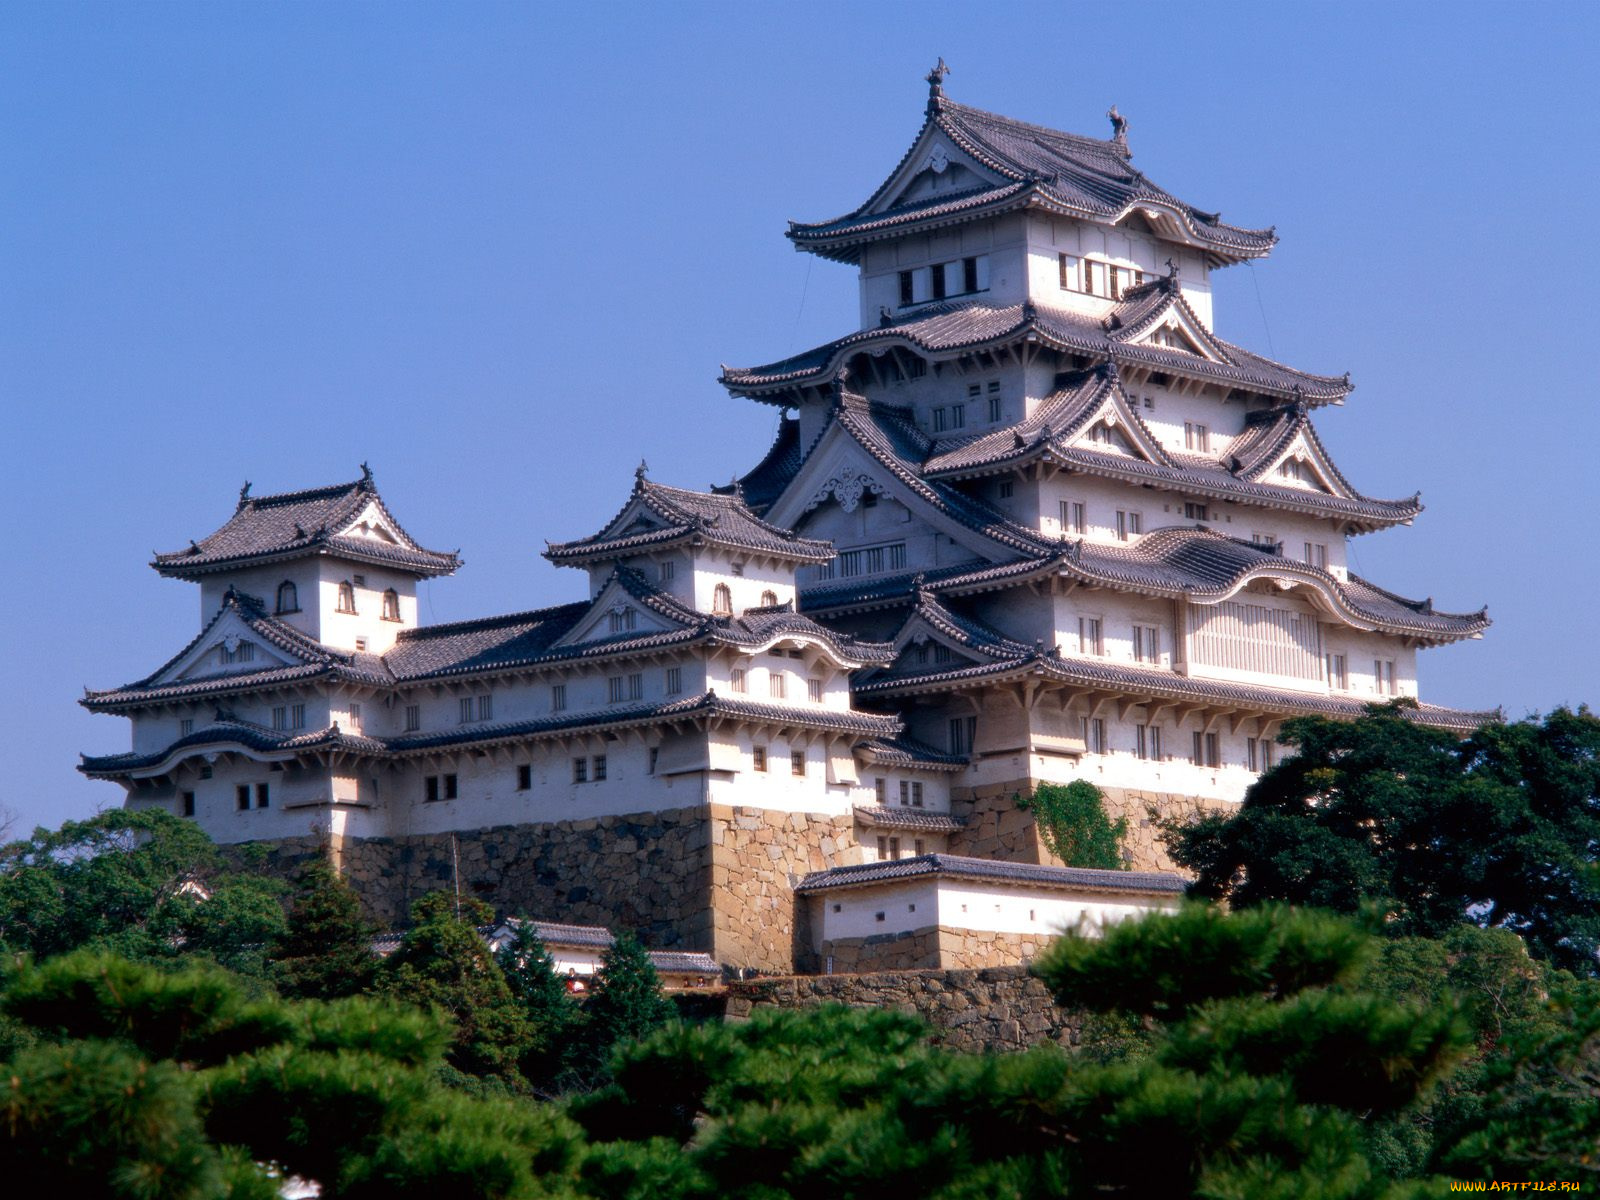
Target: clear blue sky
[499,251]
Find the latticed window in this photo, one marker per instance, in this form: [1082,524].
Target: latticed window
[288,597]
[769,599]
[347,597]
[391,605]
[722,600]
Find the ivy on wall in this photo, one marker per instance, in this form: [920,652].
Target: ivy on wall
[1074,826]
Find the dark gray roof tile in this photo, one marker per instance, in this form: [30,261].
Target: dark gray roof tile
[1076,879]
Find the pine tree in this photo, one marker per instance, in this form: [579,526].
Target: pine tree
[325,951]
[443,962]
[553,1017]
[627,1002]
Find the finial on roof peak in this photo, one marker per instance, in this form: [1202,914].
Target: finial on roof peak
[244,494]
[936,86]
[366,475]
[1119,130]
[641,470]
[1172,269]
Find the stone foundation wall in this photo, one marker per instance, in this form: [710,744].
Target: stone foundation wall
[757,856]
[933,948]
[997,828]
[648,872]
[998,1008]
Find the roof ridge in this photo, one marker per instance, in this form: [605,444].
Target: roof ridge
[326,491]
[425,631]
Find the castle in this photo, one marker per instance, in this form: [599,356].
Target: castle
[1032,522]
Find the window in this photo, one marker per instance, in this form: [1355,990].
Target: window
[1073,517]
[1196,437]
[347,598]
[722,601]
[1259,752]
[651,760]
[288,597]
[1289,468]
[1251,753]
[614,689]
[941,420]
[738,569]
[262,795]
[186,727]
[413,717]
[1129,525]
[938,281]
[1147,643]
[242,794]
[797,762]
[668,570]
[1071,273]
[297,716]
[1092,274]
[439,787]
[464,710]
[1123,278]
[558,698]
[360,580]
[186,800]
[355,717]
[674,681]
[636,686]
[814,690]
[391,605]
[969,274]
[1338,672]
[777,685]
[361,643]
[1383,676]
[758,758]
[524,777]
[599,768]
[1094,735]
[1101,434]
[580,770]
[280,717]
[1147,742]
[906,289]
[916,793]
[738,679]
[623,620]
[1206,752]
[894,850]
[769,599]
[996,408]
[916,848]
[1316,555]
[1090,638]
[1196,512]
[963,731]
[1266,541]
[880,790]
[485,708]
[905,793]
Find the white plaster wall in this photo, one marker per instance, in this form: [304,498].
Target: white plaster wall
[1049,237]
[853,912]
[341,630]
[1001,238]
[262,583]
[1015,908]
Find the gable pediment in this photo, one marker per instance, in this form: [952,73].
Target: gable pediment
[921,648]
[373,525]
[229,647]
[936,166]
[1112,427]
[1177,330]
[1304,464]
[616,612]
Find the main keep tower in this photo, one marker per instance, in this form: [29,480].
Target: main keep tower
[1105,543]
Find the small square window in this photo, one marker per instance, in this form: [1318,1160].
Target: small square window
[186,727]
[242,792]
[430,788]
[187,801]
[524,777]
[450,788]
[580,770]
[599,772]
[263,797]
[361,643]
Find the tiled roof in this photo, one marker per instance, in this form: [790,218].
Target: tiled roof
[707,706]
[954,328]
[531,638]
[230,731]
[919,820]
[665,516]
[952,866]
[591,937]
[904,751]
[1132,680]
[1062,417]
[1036,167]
[765,481]
[315,661]
[889,591]
[294,524]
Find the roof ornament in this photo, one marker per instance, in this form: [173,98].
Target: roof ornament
[194,546]
[299,530]
[1017,439]
[1172,270]
[641,470]
[1029,311]
[366,476]
[885,317]
[1119,131]
[935,79]
[244,494]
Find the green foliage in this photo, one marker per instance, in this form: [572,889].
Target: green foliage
[115,880]
[144,1084]
[627,1002]
[1499,829]
[554,1019]
[444,964]
[1074,825]
[324,949]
